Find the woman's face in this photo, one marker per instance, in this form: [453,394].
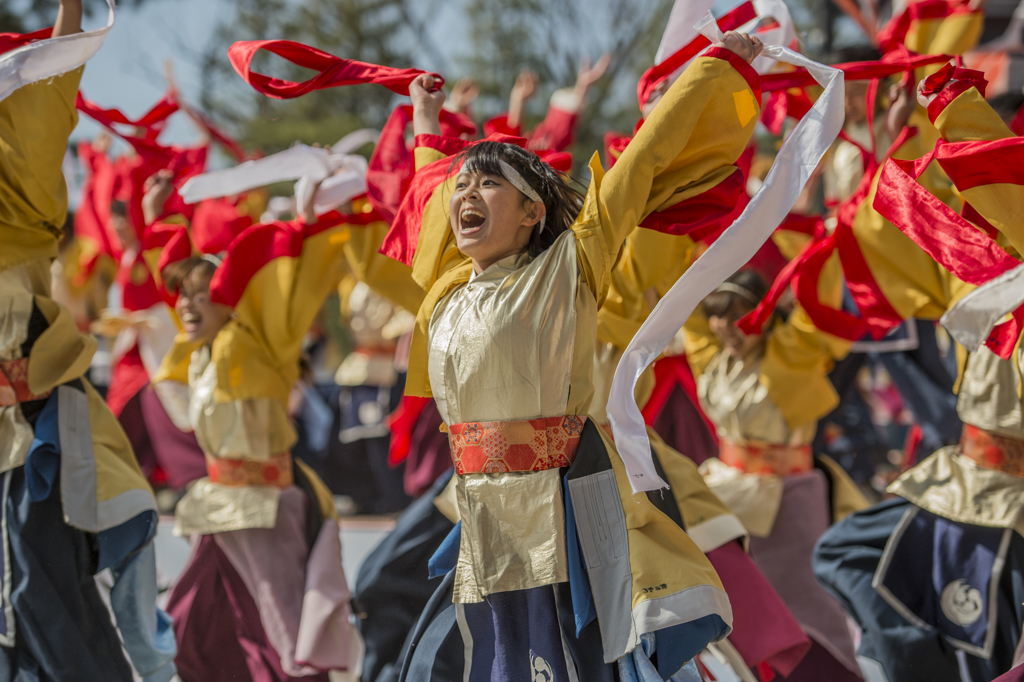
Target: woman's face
[200,317]
[735,342]
[491,219]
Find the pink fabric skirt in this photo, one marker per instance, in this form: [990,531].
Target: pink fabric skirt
[785,558]
[763,629]
[258,605]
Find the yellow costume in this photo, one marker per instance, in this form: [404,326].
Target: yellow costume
[56,431]
[475,350]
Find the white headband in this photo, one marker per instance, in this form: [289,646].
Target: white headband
[742,292]
[212,258]
[517,180]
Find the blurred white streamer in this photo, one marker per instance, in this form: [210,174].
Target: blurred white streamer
[48,58]
[340,175]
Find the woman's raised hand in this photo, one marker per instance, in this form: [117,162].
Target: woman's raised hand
[742,44]
[427,100]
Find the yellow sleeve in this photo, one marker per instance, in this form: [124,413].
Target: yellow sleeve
[386,276]
[913,283]
[35,122]
[952,35]
[650,263]
[424,156]
[970,118]
[686,147]
[258,353]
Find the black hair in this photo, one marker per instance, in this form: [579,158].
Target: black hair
[562,201]
[118,208]
[193,268]
[719,303]
[855,53]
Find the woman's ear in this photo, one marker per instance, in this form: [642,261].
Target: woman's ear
[535,212]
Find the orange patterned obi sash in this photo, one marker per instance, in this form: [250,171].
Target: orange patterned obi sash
[276,471]
[766,458]
[14,383]
[529,445]
[991,451]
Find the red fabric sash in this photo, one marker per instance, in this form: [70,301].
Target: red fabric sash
[401,422]
[152,156]
[976,163]
[12,41]
[877,314]
[333,71]
[92,219]
[659,72]
[936,82]
[671,371]
[754,321]
[957,245]
[781,104]
[897,61]
[392,163]
[705,209]
[152,122]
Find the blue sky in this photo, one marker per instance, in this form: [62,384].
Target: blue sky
[127,72]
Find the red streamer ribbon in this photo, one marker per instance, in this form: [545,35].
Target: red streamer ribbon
[12,41]
[948,73]
[152,122]
[897,61]
[754,321]
[954,243]
[333,71]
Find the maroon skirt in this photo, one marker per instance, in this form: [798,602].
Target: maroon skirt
[224,638]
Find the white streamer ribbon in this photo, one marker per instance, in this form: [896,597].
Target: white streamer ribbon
[799,156]
[50,58]
[783,35]
[974,316]
[680,29]
[341,175]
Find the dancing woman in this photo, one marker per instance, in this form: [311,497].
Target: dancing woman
[765,393]
[934,576]
[263,594]
[74,502]
[557,569]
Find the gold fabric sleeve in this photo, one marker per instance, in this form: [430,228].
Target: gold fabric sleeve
[35,122]
[686,147]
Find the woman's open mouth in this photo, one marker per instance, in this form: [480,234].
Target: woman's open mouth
[470,220]
[191,322]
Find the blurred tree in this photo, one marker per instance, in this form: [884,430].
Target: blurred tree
[376,31]
[499,37]
[10,22]
[551,37]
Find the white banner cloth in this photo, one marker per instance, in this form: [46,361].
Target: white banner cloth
[799,156]
[50,58]
[974,316]
[341,175]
